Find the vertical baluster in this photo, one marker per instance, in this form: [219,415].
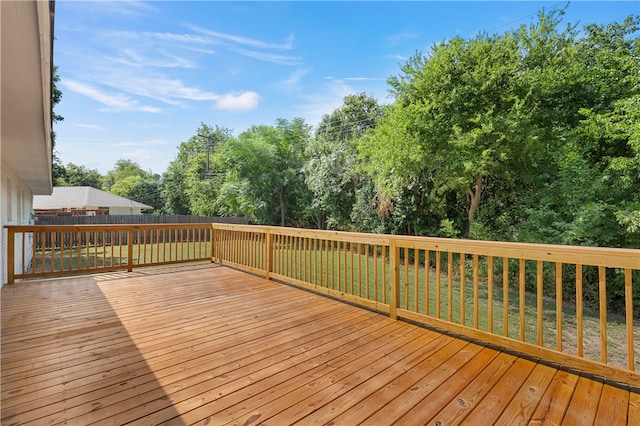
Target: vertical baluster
[359,282]
[490,294]
[62,244]
[329,259]
[366,273]
[314,261]
[450,286]
[23,252]
[352,268]
[394,265]
[384,274]
[462,290]
[602,279]
[143,242]
[406,278]
[104,249]
[375,272]
[416,285]
[579,311]
[540,304]
[559,306]
[344,260]
[628,297]
[521,284]
[427,290]
[505,296]
[43,237]
[289,255]
[476,301]
[438,284]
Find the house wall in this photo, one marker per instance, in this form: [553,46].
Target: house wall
[16,209]
[116,211]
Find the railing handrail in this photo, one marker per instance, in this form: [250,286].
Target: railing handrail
[67,228]
[585,255]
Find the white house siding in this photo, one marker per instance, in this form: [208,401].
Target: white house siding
[124,210]
[17,209]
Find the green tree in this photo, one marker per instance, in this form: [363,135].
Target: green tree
[57,169]
[192,181]
[173,189]
[480,120]
[264,174]
[332,171]
[592,197]
[75,175]
[127,179]
[203,175]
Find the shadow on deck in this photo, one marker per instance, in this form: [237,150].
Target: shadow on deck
[205,344]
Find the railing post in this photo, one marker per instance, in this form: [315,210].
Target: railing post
[130,249]
[269,255]
[11,256]
[394,263]
[213,243]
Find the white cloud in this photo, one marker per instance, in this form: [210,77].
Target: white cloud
[398,57]
[132,58]
[170,91]
[398,38]
[183,38]
[267,57]
[246,41]
[138,154]
[151,142]
[239,44]
[243,102]
[330,97]
[88,126]
[113,102]
[364,79]
[292,81]
[123,9]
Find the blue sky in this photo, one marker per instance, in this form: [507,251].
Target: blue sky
[138,78]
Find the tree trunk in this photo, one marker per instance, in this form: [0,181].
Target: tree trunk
[474,202]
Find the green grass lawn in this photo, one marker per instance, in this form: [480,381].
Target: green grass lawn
[92,257]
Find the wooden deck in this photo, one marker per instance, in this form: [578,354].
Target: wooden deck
[205,344]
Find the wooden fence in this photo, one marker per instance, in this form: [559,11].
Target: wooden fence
[525,297]
[135,219]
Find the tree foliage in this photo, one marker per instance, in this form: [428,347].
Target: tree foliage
[265,178]
[127,179]
[332,171]
[492,132]
[75,175]
[57,169]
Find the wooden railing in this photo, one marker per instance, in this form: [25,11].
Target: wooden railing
[45,251]
[551,302]
[568,305]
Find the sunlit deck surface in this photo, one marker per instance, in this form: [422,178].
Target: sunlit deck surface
[205,344]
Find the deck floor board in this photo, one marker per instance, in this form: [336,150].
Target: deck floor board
[205,344]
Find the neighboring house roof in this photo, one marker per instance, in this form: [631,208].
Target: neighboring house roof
[81,197]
